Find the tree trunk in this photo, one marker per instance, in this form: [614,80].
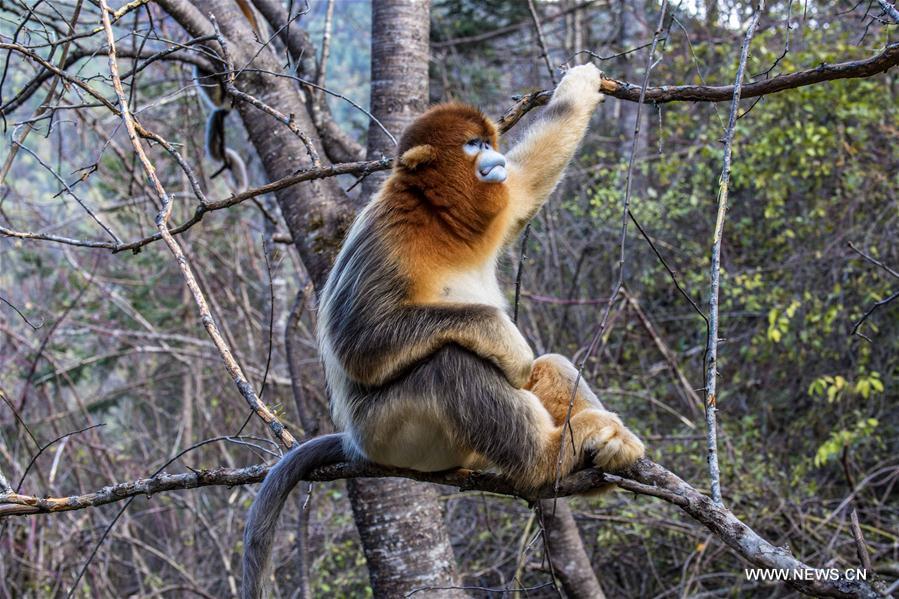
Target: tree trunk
[566,551]
[401,523]
[400,40]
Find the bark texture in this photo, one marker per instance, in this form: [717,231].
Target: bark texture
[400,524]
[566,551]
[400,35]
[402,527]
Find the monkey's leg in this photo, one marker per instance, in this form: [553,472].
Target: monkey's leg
[513,429]
[552,380]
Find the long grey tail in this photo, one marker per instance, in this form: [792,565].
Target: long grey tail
[263,516]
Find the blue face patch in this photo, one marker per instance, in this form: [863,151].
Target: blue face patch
[491,166]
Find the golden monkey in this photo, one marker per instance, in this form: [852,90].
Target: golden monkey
[424,368]
[216,99]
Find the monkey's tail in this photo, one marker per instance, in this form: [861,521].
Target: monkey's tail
[263,516]
[238,170]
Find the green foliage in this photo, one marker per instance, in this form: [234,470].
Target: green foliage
[844,438]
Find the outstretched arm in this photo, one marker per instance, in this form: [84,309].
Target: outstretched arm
[537,161]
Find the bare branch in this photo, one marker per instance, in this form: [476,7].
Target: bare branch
[483,37]
[259,104]
[883,302]
[644,478]
[541,41]
[234,369]
[711,354]
[349,168]
[623,90]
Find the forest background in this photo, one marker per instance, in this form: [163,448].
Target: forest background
[107,374]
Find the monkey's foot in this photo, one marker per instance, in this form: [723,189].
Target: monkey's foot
[612,444]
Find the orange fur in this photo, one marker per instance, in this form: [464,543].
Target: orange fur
[439,217]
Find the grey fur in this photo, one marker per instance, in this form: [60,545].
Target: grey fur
[482,410]
[215,134]
[368,321]
[263,516]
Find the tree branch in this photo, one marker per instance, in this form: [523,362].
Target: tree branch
[644,478]
[623,90]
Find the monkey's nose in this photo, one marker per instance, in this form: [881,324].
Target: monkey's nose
[491,167]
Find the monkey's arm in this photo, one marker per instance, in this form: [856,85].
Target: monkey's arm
[537,161]
[375,352]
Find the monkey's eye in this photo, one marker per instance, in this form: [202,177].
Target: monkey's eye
[473,146]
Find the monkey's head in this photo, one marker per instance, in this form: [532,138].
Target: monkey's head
[455,142]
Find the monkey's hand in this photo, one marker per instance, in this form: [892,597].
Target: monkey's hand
[516,359]
[579,88]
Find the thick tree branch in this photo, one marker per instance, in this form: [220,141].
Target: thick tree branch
[644,478]
[623,90]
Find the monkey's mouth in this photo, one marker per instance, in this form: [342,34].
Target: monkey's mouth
[492,174]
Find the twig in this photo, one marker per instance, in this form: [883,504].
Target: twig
[46,446]
[482,37]
[873,260]
[330,92]
[876,305]
[889,10]
[541,41]
[303,175]
[68,189]
[48,99]
[601,58]
[693,399]
[22,316]
[671,273]
[522,256]
[236,93]
[860,546]
[870,311]
[711,357]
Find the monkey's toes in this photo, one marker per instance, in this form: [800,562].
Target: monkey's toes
[614,446]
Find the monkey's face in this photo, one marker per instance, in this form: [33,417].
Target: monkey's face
[489,165]
[456,142]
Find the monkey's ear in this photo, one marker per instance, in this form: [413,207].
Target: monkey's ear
[418,156]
